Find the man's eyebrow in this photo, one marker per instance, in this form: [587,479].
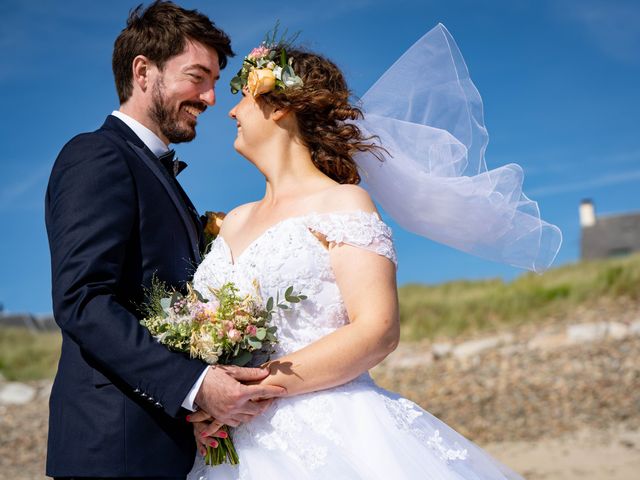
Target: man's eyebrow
[202,68]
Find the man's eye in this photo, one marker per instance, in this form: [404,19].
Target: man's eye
[196,78]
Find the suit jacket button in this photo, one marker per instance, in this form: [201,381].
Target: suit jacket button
[144,395]
[137,390]
[157,405]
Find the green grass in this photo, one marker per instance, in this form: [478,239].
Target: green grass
[444,310]
[460,307]
[28,356]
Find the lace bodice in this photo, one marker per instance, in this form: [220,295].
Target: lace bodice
[290,253]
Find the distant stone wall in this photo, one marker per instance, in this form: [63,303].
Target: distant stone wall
[27,320]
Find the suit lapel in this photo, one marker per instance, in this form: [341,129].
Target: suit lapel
[185,215]
[194,215]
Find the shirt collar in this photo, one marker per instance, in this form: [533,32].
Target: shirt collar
[150,139]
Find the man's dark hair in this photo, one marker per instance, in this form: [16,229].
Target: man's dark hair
[159,33]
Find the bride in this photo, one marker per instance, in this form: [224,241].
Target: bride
[316,229]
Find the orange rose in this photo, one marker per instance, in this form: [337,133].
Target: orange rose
[214,222]
[261,80]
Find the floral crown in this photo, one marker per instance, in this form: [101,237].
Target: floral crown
[264,71]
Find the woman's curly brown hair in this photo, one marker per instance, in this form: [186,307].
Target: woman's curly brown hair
[322,109]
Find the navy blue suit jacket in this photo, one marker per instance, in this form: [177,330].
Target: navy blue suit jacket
[114,219]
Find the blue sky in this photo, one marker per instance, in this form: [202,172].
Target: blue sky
[559,80]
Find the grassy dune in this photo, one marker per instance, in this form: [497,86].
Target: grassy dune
[444,310]
[28,356]
[460,307]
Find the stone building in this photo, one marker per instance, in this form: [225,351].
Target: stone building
[607,235]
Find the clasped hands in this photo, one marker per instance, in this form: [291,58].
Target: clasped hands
[230,396]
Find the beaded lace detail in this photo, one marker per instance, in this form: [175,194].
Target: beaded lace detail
[359,229]
[405,413]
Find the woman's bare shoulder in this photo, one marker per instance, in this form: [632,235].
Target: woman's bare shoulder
[347,197]
[236,217]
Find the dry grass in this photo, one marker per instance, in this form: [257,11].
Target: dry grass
[25,355]
[460,307]
[445,310]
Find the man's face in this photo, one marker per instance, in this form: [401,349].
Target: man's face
[183,90]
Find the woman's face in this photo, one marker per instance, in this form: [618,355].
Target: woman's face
[254,123]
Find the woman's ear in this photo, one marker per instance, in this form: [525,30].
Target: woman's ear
[278,114]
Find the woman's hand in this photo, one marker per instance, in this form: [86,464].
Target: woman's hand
[206,429]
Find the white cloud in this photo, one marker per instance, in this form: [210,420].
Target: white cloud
[292,17]
[611,25]
[565,161]
[37,31]
[22,193]
[588,184]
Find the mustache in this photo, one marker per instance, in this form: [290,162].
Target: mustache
[199,105]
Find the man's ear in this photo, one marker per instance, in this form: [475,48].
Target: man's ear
[141,67]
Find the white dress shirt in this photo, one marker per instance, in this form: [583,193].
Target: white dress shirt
[158,147]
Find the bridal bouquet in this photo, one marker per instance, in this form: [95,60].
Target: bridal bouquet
[227,329]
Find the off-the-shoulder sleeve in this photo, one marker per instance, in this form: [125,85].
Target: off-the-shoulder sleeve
[359,229]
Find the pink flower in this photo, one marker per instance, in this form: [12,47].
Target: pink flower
[228,325]
[234,335]
[251,330]
[259,52]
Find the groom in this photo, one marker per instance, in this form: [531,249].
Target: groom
[116,216]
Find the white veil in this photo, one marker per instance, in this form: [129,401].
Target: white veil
[428,115]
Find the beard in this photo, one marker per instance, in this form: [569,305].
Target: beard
[176,130]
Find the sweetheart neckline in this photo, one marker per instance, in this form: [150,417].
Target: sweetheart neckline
[235,259]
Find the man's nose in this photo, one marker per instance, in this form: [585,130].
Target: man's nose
[209,97]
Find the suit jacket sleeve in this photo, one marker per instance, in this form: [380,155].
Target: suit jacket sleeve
[91,214]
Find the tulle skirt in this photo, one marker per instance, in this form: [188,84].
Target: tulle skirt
[355,431]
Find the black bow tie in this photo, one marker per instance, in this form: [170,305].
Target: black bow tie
[173,165]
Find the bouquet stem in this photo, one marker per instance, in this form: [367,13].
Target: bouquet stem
[225,452]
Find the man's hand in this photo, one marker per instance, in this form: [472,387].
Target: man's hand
[230,402]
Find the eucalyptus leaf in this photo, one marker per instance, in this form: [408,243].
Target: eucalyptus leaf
[261,334]
[236,84]
[286,75]
[270,304]
[242,359]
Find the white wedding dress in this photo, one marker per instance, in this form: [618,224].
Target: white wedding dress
[354,431]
